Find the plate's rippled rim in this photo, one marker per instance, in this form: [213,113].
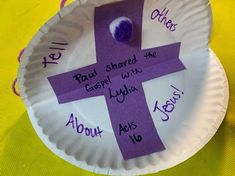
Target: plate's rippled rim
[214,65]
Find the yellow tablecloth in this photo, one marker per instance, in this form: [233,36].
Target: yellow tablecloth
[21,151]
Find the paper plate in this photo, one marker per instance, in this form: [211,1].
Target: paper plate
[197,115]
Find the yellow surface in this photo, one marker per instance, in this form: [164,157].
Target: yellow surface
[21,151]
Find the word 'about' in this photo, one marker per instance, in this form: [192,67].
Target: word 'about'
[81,129]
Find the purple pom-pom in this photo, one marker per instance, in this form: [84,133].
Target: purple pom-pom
[121,29]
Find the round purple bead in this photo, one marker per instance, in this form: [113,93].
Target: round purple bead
[122,30]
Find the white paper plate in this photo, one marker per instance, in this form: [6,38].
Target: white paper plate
[197,115]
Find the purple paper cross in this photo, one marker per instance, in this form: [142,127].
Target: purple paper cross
[118,75]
